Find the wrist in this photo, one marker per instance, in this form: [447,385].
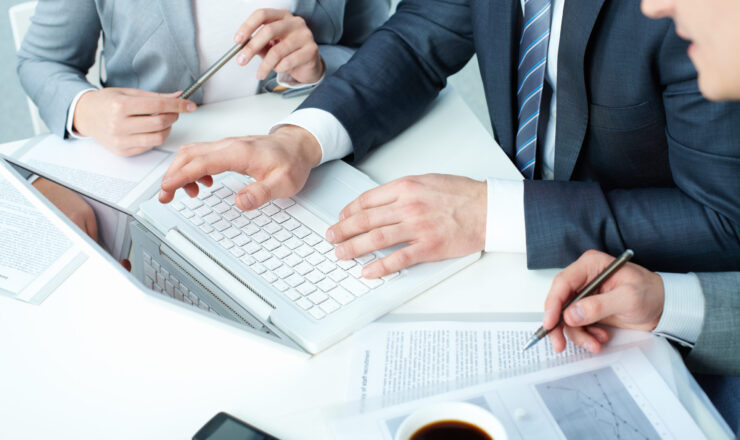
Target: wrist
[79,124]
[308,146]
[482,202]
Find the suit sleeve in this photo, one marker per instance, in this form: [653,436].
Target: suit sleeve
[57,51]
[693,226]
[397,73]
[717,351]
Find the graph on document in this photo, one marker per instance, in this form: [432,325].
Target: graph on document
[595,405]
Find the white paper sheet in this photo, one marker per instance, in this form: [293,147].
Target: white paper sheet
[619,395]
[35,256]
[86,165]
[396,358]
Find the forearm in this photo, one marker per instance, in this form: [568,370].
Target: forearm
[394,76]
[667,229]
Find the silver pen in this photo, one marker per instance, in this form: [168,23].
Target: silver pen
[588,290]
[213,69]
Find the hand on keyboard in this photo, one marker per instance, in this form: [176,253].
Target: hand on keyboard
[279,162]
[439,216]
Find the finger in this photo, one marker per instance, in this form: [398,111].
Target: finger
[257,19]
[197,168]
[598,307]
[275,55]
[303,55]
[569,281]
[373,198]
[146,93]
[272,30]
[150,105]
[599,333]
[260,192]
[362,222]
[557,339]
[206,180]
[376,239]
[400,259]
[191,189]
[149,123]
[582,338]
[146,141]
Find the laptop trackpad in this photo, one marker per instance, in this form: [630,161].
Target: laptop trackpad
[331,187]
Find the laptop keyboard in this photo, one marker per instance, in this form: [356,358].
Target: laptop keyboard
[160,280]
[280,243]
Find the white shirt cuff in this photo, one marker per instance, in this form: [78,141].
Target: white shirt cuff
[505,230]
[286,80]
[71,115]
[683,309]
[331,135]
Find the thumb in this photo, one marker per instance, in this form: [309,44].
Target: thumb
[596,308]
[257,194]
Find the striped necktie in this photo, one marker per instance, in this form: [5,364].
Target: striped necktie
[531,76]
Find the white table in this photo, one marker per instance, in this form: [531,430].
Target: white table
[102,359]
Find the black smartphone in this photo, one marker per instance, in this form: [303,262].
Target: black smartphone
[227,427]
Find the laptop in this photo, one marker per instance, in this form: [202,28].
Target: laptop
[270,269]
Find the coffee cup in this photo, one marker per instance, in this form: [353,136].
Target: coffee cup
[451,420]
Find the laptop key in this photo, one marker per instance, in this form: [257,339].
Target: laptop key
[240,222]
[291,224]
[205,227]
[292,295]
[314,276]
[318,297]
[178,205]
[203,211]
[281,285]
[221,208]
[280,217]
[306,289]
[364,259]
[191,203]
[338,275]
[269,277]
[241,240]
[341,296]
[293,243]
[251,247]
[262,256]
[216,236]
[375,282]
[262,220]
[304,251]
[282,252]
[231,214]
[304,303]
[270,209]
[329,306]
[212,218]
[197,221]
[271,244]
[391,276]
[231,232]
[260,237]
[303,268]
[284,271]
[284,203]
[326,285]
[353,286]
[223,192]
[272,263]
[346,264]
[258,268]
[317,313]
[294,280]
[221,225]
[187,213]
[323,246]
[315,259]
[292,260]
[227,244]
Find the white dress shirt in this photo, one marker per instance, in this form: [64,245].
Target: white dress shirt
[683,311]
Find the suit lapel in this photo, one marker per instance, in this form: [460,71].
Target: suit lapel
[579,18]
[499,43]
[178,15]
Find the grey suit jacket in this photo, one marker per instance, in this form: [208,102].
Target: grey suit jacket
[717,351]
[150,45]
[642,160]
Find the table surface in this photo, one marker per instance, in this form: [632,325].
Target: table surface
[100,356]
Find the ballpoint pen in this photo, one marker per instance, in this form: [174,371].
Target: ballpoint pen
[588,290]
[213,69]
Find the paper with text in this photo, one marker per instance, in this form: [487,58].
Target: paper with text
[35,256]
[396,358]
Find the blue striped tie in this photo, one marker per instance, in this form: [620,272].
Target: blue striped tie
[531,77]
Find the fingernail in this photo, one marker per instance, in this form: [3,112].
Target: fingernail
[370,272]
[247,201]
[261,76]
[161,194]
[239,37]
[341,216]
[588,346]
[191,107]
[165,180]
[341,253]
[576,313]
[330,235]
[241,59]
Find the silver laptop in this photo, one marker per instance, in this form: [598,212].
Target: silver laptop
[272,269]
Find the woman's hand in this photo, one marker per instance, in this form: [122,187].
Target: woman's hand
[128,121]
[285,43]
[71,204]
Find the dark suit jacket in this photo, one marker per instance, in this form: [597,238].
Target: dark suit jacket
[642,160]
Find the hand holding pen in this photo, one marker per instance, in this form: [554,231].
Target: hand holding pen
[632,297]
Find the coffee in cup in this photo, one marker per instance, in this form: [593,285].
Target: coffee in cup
[451,421]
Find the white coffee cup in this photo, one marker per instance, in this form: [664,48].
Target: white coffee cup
[451,411]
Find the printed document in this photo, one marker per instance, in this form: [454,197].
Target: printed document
[394,358]
[618,395]
[35,255]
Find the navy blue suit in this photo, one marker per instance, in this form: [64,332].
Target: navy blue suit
[642,160]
